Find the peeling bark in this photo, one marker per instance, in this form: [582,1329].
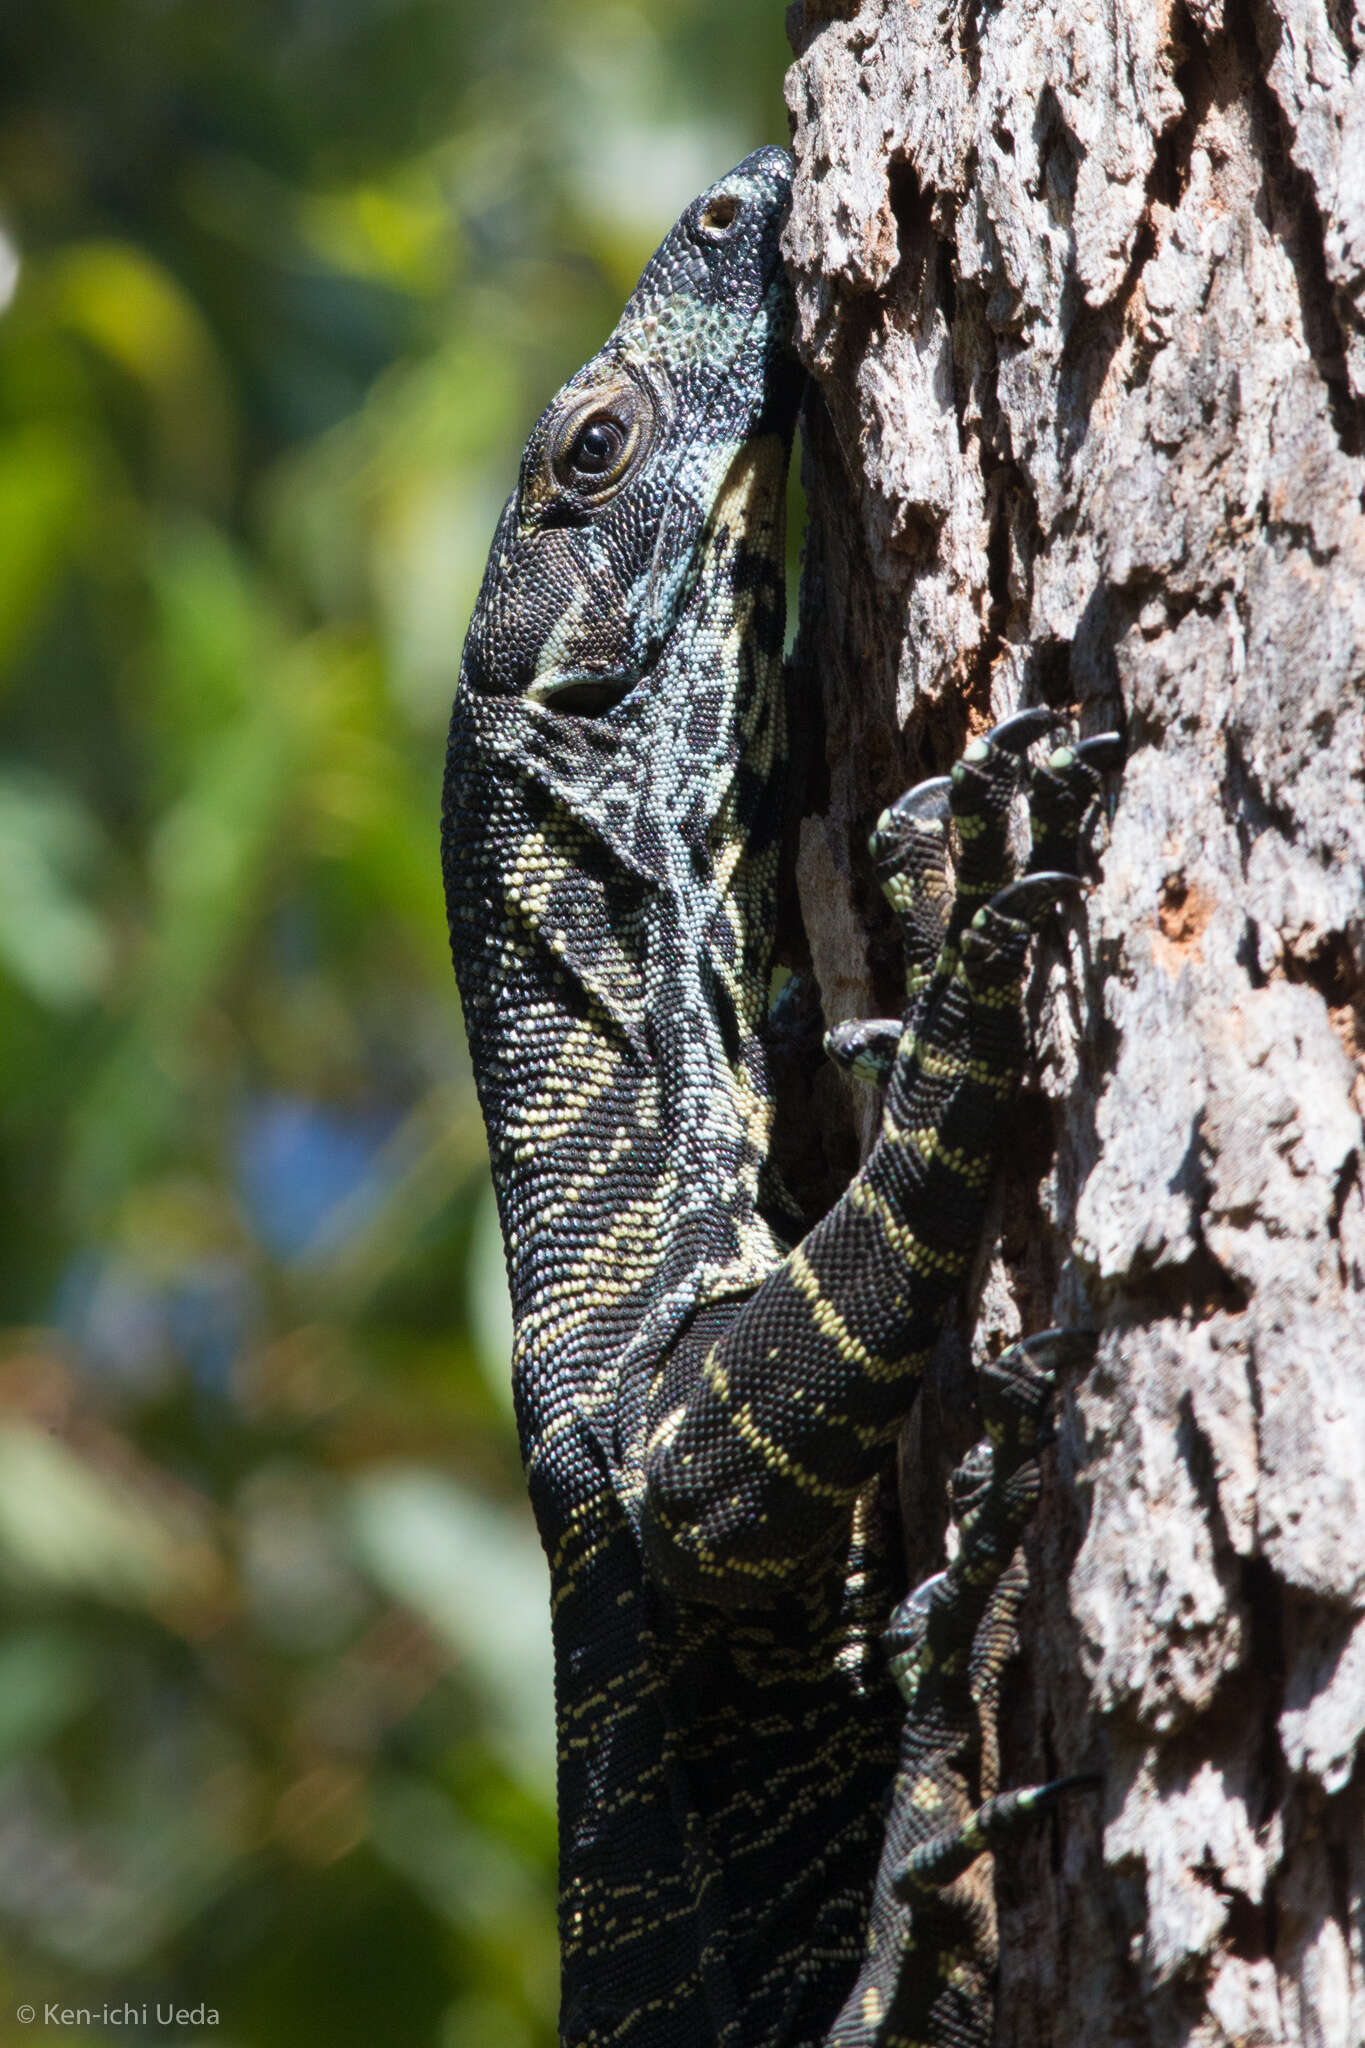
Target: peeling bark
[1083,286]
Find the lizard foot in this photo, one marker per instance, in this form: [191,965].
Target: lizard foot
[944,1857]
[909,848]
[937,897]
[983,787]
[910,843]
[948,1643]
[967,1621]
[866,1047]
[1062,798]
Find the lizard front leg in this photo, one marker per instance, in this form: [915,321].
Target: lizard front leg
[766,1421]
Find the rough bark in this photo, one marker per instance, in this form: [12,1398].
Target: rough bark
[1082,283]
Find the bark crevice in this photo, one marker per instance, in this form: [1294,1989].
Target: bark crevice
[1297,219]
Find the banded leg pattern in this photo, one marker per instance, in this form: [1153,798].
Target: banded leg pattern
[926,1978]
[767,1419]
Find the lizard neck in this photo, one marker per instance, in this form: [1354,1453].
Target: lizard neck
[614,948]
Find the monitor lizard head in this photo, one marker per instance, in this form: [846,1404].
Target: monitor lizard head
[598,544]
[618,740]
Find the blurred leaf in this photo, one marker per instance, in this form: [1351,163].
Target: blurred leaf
[65,1527]
[400,230]
[469,1877]
[490,1304]
[477,1576]
[302,1590]
[127,305]
[46,1678]
[211,849]
[51,940]
[45,484]
[473,2022]
[215,635]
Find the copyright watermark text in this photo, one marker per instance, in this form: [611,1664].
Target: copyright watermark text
[127,2015]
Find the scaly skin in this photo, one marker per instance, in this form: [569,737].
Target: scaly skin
[706,1412]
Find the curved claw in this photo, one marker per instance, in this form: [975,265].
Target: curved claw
[1057,1348]
[1015,735]
[971,1480]
[1032,894]
[926,800]
[999,1818]
[1105,750]
[903,1635]
[1009,1812]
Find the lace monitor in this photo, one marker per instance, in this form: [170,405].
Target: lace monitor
[762,1817]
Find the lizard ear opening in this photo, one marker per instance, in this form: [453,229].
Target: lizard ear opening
[718,215]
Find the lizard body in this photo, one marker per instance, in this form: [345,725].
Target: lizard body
[705,1405]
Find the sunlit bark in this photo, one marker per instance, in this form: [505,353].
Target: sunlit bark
[1083,287]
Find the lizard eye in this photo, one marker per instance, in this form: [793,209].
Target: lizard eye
[596,447]
[599,442]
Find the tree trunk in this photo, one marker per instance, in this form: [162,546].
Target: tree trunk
[1082,283]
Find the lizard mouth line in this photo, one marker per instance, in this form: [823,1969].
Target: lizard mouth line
[587,696]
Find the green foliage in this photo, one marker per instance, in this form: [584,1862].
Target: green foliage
[283,289]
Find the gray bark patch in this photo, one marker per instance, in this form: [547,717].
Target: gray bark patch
[1083,287]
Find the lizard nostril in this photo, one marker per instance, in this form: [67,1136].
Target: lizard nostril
[718,215]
